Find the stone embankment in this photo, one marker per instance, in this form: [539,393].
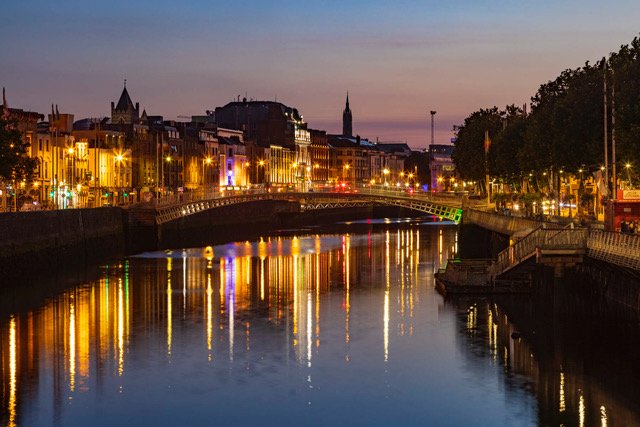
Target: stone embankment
[46,241]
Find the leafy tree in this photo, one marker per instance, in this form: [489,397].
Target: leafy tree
[625,79]
[15,164]
[468,152]
[503,153]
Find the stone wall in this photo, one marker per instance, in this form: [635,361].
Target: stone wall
[507,225]
[45,241]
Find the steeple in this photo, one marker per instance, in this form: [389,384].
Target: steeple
[347,128]
[5,105]
[125,112]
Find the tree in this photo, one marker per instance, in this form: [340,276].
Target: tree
[503,154]
[625,78]
[468,152]
[15,164]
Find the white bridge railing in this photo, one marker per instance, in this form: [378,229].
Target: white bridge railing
[171,208]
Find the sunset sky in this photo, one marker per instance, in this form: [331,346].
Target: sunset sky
[397,59]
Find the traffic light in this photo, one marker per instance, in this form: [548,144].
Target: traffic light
[126,194]
[51,194]
[106,194]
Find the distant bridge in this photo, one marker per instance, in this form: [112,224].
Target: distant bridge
[449,208]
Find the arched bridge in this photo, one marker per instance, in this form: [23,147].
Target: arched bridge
[443,207]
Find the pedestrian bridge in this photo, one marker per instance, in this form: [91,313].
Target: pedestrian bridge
[443,207]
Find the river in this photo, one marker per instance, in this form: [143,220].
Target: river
[324,326]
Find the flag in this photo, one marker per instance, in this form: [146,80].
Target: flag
[487,141]
[602,187]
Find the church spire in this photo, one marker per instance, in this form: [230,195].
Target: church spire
[347,129]
[5,105]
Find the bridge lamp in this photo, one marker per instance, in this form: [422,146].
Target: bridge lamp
[261,162]
[208,160]
[70,151]
[168,159]
[119,158]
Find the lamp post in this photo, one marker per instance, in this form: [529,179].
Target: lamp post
[118,159]
[70,171]
[386,172]
[206,161]
[260,165]
[345,169]
[627,167]
[168,160]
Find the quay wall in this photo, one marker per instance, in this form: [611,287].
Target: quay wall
[599,278]
[507,225]
[610,270]
[44,242]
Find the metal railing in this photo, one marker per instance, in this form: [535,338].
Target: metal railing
[180,205]
[567,237]
[615,248]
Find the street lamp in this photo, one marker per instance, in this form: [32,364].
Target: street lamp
[168,160]
[628,167]
[206,161]
[71,168]
[119,158]
[345,168]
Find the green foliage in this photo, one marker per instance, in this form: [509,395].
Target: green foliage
[15,164]
[468,152]
[564,129]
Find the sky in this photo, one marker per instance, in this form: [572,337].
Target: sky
[397,59]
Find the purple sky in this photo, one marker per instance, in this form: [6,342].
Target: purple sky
[398,60]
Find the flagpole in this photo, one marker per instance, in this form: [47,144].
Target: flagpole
[606,129]
[487,142]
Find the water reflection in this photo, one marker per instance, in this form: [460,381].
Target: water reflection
[568,388]
[292,324]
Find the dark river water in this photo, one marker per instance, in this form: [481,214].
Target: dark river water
[338,326]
